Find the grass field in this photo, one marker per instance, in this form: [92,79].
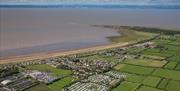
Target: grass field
[171,74]
[163,84]
[134,69]
[48,68]
[171,65]
[178,67]
[151,74]
[146,62]
[173,86]
[158,69]
[151,81]
[174,58]
[128,35]
[145,88]
[126,86]
[58,85]
[134,78]
[155,52]
[174,43]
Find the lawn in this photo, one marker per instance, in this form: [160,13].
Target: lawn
[173,86]
[126,86]
[58,85]
[171,65]
[163,84]
[151,81]
[134,69]
[48,68]
[134,78]
[171,74]
[146,62]
[145,88]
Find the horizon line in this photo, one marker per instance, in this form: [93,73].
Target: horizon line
[89,6]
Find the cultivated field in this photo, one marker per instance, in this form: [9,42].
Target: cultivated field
[146,74]
[152,65]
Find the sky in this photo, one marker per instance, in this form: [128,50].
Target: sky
[126,2]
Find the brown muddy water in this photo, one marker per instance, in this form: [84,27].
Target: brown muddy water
[34,30]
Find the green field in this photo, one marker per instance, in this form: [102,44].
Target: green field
[154,75]
[174,43]
[134,69]
[145,88]
[151,81]
[171,65]
[128,35]
[48,68]
[156,69]
[163,84]
[171,74]
[146,62]
[126,86]
[178,67]
[134,78]
[155,52]
[58,85]
[174,58]
[173,86]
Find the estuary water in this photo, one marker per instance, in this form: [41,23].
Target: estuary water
[33,30]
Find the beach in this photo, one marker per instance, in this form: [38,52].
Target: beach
[44,55]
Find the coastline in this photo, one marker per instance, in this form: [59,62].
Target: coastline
[124,38]
[44,55]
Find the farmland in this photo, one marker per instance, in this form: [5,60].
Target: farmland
[150,72]
[126,86]
[147,66]
[157,69]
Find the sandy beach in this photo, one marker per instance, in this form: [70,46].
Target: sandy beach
[14,59]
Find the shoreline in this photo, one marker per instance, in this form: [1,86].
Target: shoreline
[122,40]
[43,55]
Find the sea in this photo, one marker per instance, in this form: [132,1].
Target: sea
[27,28]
